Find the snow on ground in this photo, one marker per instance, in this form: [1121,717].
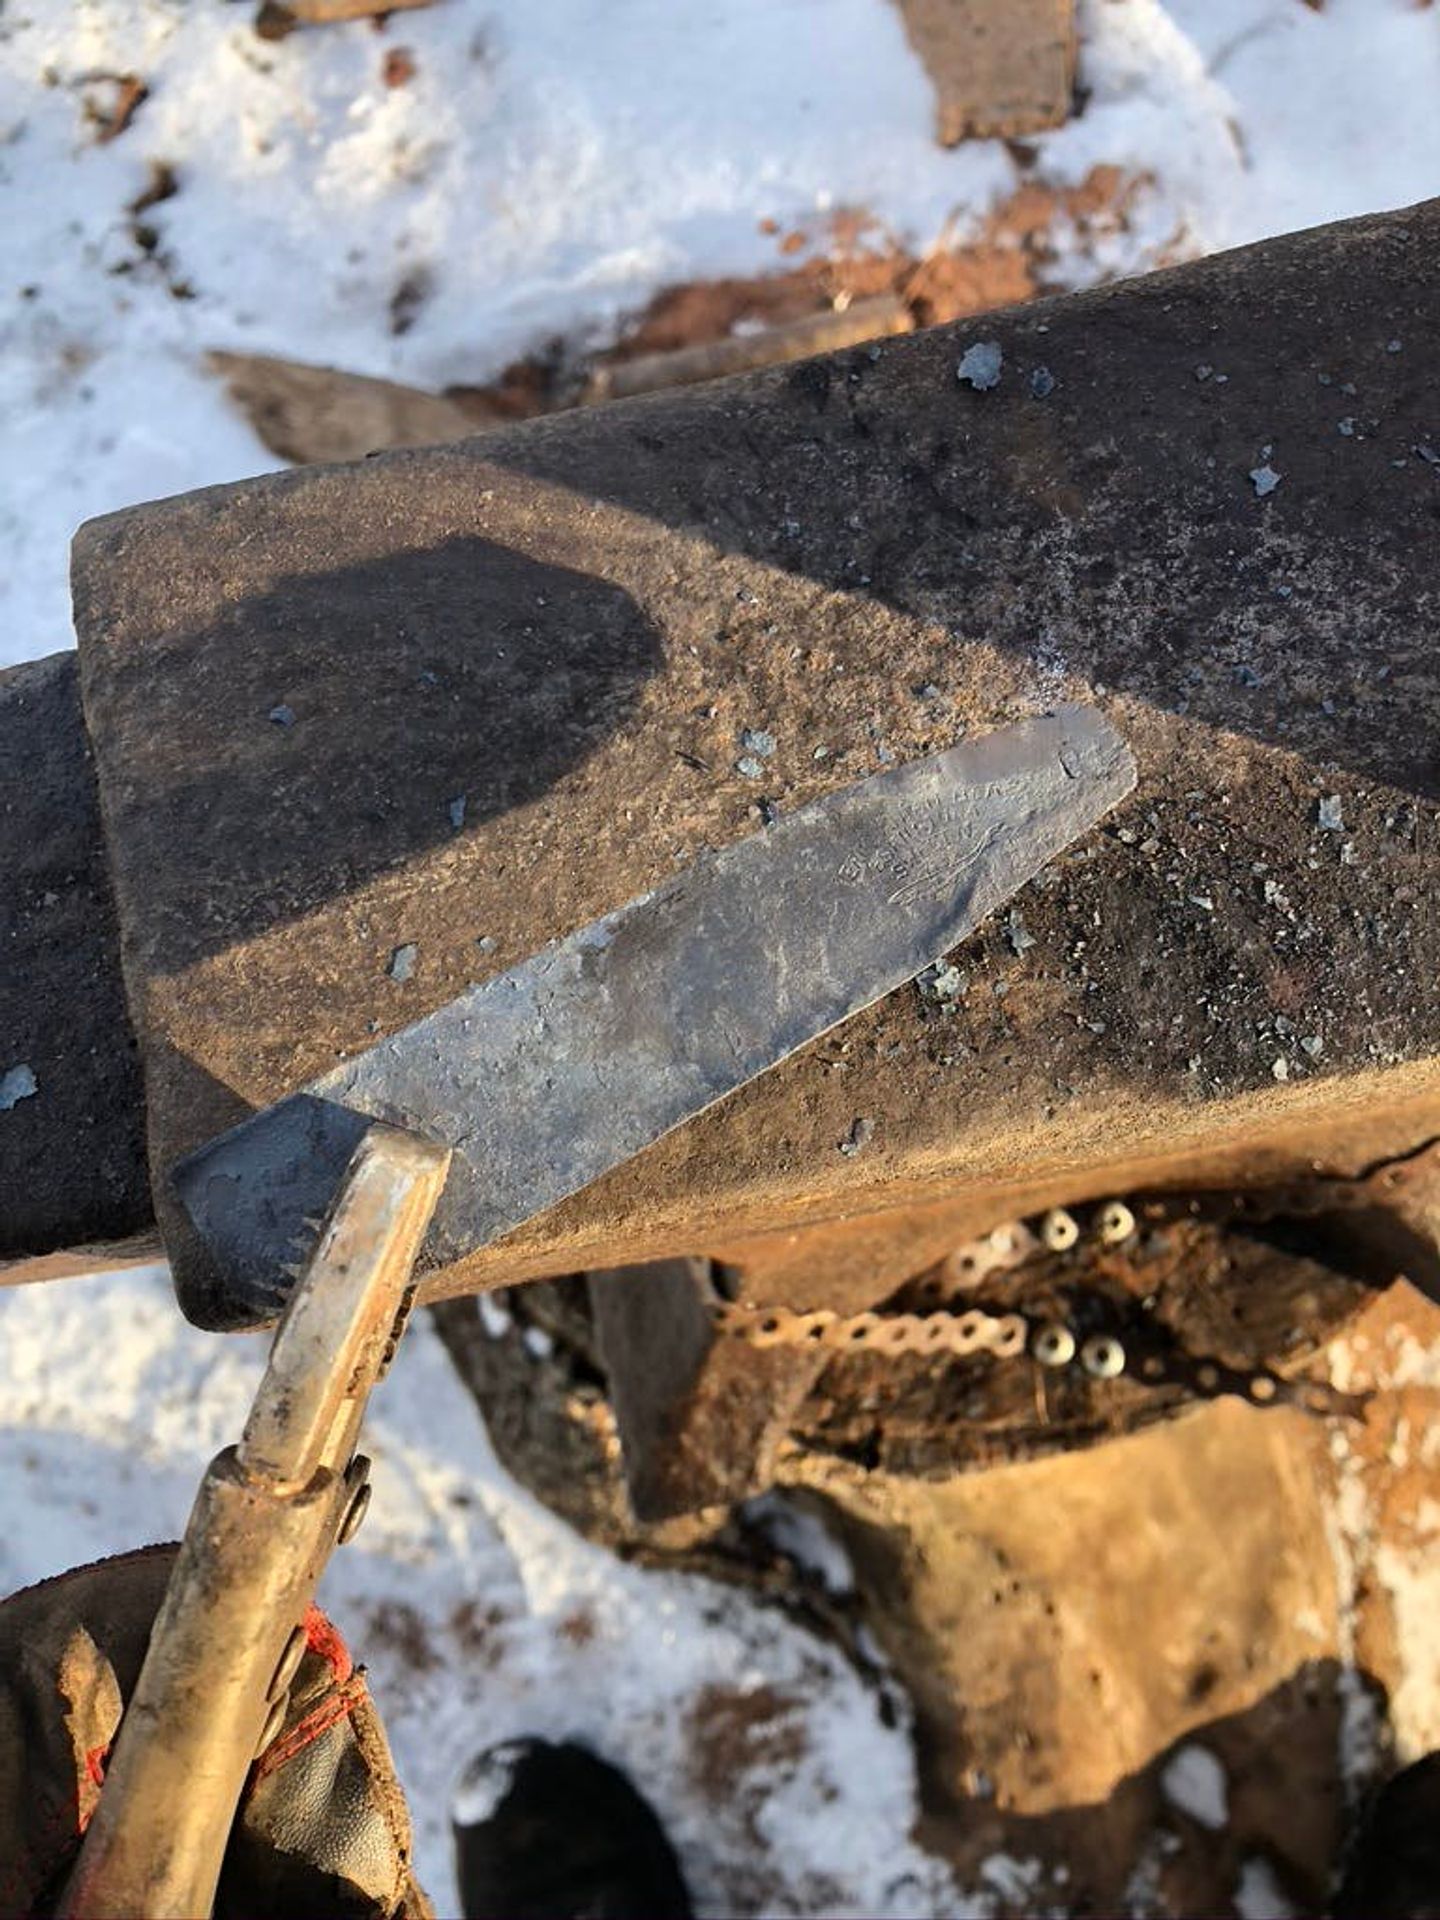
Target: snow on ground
[545,170]
[1194,1781]
[480,1616]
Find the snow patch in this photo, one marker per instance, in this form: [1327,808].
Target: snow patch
[1412,1581]
[461,1596]
[485,1783]
[803,1537]
[1014,1880]
[1259,1895]
[1194,1782]
[535,179]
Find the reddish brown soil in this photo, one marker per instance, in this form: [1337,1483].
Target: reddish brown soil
[850,256]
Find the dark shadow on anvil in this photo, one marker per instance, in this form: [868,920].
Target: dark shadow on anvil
[1287,1806]
[1111,526]
[72,1165]
[392,705]
[1256,651]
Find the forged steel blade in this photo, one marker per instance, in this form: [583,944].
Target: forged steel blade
[547,1076]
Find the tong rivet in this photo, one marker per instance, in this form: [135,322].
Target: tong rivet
[274,1720]
[354,1514]
[288,1664]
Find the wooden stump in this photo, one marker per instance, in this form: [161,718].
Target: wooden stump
[1000,67]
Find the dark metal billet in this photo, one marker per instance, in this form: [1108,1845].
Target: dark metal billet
[547,1076]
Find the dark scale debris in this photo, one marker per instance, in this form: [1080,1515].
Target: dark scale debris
[980,365]
[18,1084]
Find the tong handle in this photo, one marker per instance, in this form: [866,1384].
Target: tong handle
[223,1649]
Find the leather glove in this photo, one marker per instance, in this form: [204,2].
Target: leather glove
[322,1827]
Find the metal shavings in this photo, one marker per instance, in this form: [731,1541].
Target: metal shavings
[282,716]
[1018,934]
[1042,383]
[456,810]
[1346,426]
[749,766]
[1427,453]
[757,741]
[980,365]
[861,1134]
[1264,480]
[401,963]
[17,1085]
[1280,1068]
[1330,814]
[1312,1044]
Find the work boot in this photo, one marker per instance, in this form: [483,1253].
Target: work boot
[1394,1873]
[548,1832]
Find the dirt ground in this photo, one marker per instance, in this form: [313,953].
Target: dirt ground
[1160,1676]
[1087,1636]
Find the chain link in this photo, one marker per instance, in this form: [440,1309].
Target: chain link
[946,1328]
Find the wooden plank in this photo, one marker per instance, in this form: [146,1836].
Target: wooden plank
[1000,68]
